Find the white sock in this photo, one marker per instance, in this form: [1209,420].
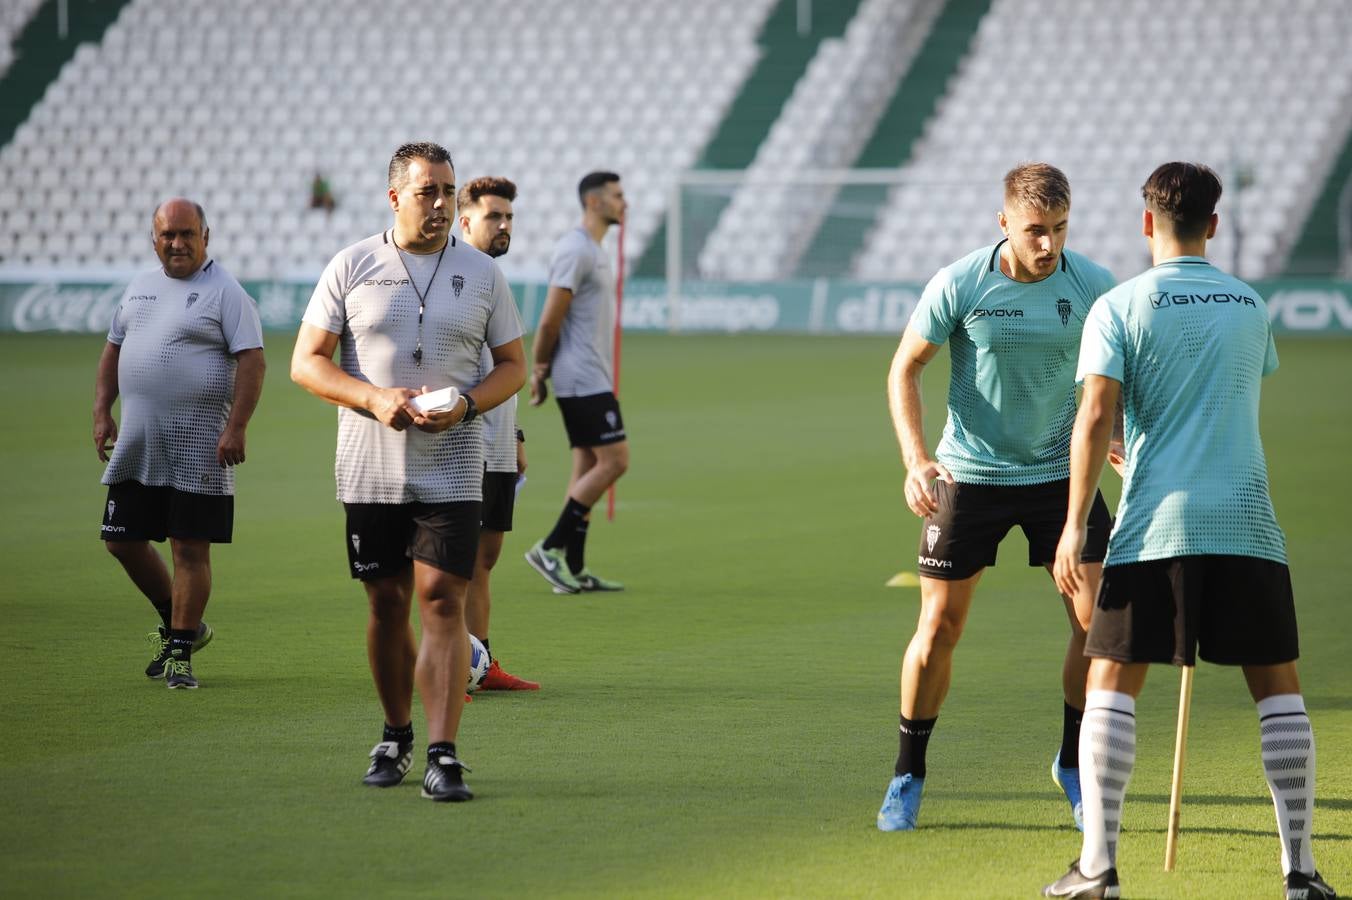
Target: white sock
[1288,763]
[1107,754]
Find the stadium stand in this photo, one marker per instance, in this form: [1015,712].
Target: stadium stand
[1107,97]
[789,40]
[833,110]
[14,15]
[240,104]
[856,207]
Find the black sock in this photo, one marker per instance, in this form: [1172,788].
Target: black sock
[577,547]
[180,642]
[484,641]
[1070,737]
[440,748]
[401,736]
[915,735]
[573,512]
[166,615]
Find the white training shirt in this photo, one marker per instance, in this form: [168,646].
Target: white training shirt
[176,376]
[366,297]
[582,359]
[499,426]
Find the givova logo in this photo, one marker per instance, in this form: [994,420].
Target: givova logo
[1161,299]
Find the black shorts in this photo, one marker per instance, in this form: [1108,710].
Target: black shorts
[499,500]
[383,538]
[1239,609]
[961,538]
[134,512]
[592,421]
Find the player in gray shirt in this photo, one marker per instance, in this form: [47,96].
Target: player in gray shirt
[185,352]
[485,207]
[574,344]
[412,309]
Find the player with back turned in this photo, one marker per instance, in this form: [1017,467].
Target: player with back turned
[1012,315]
[1196,563]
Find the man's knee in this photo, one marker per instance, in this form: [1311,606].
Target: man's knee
[389,600]
[125,551]
[441,594]
[190,552]
[940,630]
[490,549]
[615,459]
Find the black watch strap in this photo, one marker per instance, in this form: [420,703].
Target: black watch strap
[471,409]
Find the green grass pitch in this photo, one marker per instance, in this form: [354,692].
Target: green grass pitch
[725,728]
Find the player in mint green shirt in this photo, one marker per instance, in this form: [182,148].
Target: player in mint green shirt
[1196,564]
[1012,314]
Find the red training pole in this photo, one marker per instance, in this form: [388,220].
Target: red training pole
[619,331]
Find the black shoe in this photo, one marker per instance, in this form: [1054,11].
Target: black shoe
[159,638]
[444,780]
[1076,884]
[390,762]
[1300,886]
[178,674]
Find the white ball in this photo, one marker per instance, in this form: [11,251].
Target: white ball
[478,664]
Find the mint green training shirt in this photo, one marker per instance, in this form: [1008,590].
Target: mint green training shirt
[1011,400]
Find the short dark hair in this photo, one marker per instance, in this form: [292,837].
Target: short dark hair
[1185,194]
[487,186]
[591,181]
[433,153]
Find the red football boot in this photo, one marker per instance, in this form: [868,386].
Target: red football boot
[497,680]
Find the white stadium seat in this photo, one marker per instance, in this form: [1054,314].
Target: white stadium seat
[1108,116]
[277,88]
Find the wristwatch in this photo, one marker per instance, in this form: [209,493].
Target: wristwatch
[471,409]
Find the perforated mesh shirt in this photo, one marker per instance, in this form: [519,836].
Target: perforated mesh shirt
[1011,398]
[1190,345]
[366,296]
[499,426]
[176,376]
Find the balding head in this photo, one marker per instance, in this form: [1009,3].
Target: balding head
[179,229]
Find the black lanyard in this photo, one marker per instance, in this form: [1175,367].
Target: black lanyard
[422,295]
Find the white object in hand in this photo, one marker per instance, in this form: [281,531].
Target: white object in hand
[440,401]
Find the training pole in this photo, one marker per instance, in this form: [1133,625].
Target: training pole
[619,331]
[1180,756]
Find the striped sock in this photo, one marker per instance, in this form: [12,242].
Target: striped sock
[1107,754]
[1288,763]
